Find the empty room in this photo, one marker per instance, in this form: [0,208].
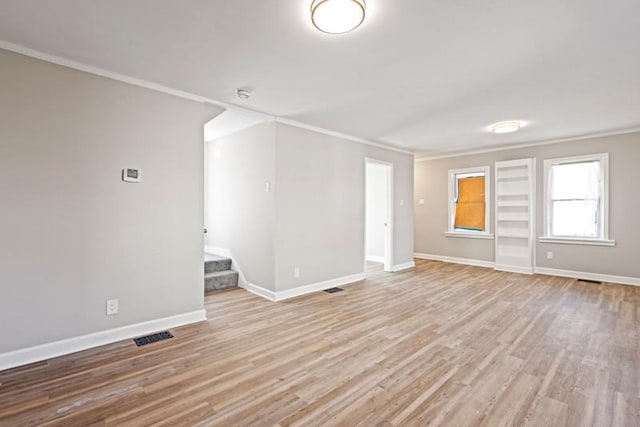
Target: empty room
[319,213]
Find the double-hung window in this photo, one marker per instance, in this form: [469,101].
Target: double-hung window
[469,202]
[577,200]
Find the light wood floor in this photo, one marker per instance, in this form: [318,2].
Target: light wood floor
[442,344]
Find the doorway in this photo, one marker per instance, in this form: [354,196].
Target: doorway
[378,216]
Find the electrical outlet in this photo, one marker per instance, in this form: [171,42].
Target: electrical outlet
[421,202]
[296,272]
[267,187]
[549,255]
[112,307]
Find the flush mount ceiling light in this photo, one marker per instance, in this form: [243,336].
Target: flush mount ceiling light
[505,127]
[337,16]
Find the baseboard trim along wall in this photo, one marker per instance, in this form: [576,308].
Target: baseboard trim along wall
[512,269]
[47,351]
[261,292]
[609,278]
[374,258]
[306,289]
[401,267]
[622,280]
[454,260]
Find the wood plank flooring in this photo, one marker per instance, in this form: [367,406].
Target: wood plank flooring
[441,344]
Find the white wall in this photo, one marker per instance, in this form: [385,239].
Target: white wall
[240,213]
[621,260]
[376,210]
[320,205]
[72,233]
[314,217]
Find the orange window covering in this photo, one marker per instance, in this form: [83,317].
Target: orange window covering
[470,206]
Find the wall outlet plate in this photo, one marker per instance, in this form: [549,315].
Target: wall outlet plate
[296,272]
[112,307]
[549,255]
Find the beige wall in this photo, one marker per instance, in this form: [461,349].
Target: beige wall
[72,233]
[431,218]
[320,206]
[313,218]
[240,212]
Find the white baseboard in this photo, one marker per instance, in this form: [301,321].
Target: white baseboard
[454,260]
[41,352]
[401,267]
[374,258]
[306,289]
[512,269]
[260,291]
[634,281]
[235,266]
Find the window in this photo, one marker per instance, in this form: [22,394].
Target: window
[469,202]
[576,196]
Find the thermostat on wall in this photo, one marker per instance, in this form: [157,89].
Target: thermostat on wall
[131,175]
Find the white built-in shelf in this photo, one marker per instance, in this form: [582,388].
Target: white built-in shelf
[510,194]
[514,215]
[513,204]
[512,235]
[513,178]
[514,219]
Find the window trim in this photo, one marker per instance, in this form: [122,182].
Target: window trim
[603,239]
[486,234]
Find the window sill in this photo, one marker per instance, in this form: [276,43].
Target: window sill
[577,241]
[462,234]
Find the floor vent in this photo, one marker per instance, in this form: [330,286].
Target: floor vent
[333,290]
[593,282]
[152,338]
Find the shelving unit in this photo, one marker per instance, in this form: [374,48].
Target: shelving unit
[515,197]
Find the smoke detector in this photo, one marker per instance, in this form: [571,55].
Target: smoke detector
[243,93]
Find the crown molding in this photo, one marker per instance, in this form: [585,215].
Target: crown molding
[80,66]
[531,144]
[329,132]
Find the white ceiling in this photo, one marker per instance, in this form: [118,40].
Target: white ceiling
[425,75]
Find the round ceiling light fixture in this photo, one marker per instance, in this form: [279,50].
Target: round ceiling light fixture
[505,127]
[337,16]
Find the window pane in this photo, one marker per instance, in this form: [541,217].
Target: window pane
[576,218]
[575,181]
[470,203]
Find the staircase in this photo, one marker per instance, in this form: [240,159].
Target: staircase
[218,274]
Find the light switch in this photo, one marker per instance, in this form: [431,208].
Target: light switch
[267,187]
[421,202]
[401,202]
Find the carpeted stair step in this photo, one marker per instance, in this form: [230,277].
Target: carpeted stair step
[218,280]
[213,263]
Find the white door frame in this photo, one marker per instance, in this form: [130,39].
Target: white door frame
[388,244]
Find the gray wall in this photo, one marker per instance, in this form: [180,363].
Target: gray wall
[624,176]
[320,206]
[72,233]
[240,213]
